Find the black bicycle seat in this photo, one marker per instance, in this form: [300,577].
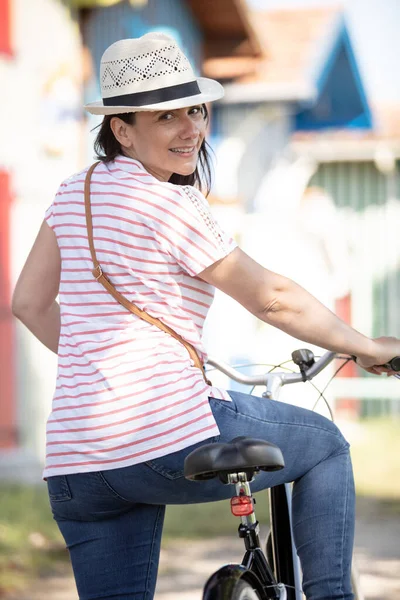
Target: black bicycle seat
[242,454]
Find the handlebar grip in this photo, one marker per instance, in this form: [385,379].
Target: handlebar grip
[394,364]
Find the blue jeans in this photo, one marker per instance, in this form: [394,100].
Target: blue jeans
[112,520]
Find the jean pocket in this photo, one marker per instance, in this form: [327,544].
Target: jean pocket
[58,488]
[229,405]
[171,465]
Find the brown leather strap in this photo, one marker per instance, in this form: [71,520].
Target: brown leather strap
[105,282]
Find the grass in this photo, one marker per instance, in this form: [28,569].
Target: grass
[375,450]
[31,545]
[208,520]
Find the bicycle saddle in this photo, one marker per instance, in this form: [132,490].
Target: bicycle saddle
[242,454]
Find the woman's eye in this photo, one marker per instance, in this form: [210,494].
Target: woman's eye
[166,116]
[195,110]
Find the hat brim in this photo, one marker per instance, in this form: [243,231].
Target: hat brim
[210,90]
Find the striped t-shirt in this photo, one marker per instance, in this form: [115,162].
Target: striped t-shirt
[127,392]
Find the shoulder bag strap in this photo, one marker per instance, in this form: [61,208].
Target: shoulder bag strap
[105,282]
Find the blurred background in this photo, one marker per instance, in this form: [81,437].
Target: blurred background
[306,178]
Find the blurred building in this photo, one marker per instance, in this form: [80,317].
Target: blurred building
[49,58]
[315,170]
[306,177]
[42,134]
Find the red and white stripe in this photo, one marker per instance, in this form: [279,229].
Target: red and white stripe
[127,392]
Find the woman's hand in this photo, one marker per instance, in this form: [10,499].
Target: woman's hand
[386,348]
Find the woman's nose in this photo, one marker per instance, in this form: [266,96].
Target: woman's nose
[190,129]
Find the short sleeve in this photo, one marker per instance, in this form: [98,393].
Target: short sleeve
[49,215]
[193,237]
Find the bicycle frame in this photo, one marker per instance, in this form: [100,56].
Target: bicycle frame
[254,559]
[286,566]
[254,567]
[286,569]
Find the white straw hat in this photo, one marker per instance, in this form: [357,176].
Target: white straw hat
[149,73]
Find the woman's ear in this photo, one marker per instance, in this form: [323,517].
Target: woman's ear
[122,132]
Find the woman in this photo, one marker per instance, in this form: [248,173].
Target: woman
[130,402]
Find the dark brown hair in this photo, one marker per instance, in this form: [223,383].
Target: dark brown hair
[107,148]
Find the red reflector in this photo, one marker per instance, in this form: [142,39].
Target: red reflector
[241,506]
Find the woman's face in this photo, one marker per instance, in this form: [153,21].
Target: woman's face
[167,142]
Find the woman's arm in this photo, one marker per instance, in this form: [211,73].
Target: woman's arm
[34,299]
[281,302]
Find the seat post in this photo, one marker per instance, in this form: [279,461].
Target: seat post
[249,528]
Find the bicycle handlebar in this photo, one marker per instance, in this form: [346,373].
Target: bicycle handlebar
[394,364]
[286,378]
[262,379]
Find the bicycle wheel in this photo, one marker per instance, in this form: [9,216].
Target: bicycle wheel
[243,590]
[233,582]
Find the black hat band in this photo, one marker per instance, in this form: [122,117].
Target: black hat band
[155,96]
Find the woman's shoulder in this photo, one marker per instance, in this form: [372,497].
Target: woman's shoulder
[193,194]
[78,176]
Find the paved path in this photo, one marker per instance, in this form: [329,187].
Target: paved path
[185,565]
[377,558]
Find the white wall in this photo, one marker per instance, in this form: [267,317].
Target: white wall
[41,144]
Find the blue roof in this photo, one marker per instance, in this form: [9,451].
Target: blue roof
[341,100]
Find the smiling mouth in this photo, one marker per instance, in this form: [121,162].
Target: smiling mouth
[187,151]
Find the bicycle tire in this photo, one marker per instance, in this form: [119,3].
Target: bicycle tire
[233,582]
[243,590]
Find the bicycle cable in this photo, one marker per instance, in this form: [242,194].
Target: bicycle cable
[321,394]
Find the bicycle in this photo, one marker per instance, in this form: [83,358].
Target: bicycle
[274,574]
